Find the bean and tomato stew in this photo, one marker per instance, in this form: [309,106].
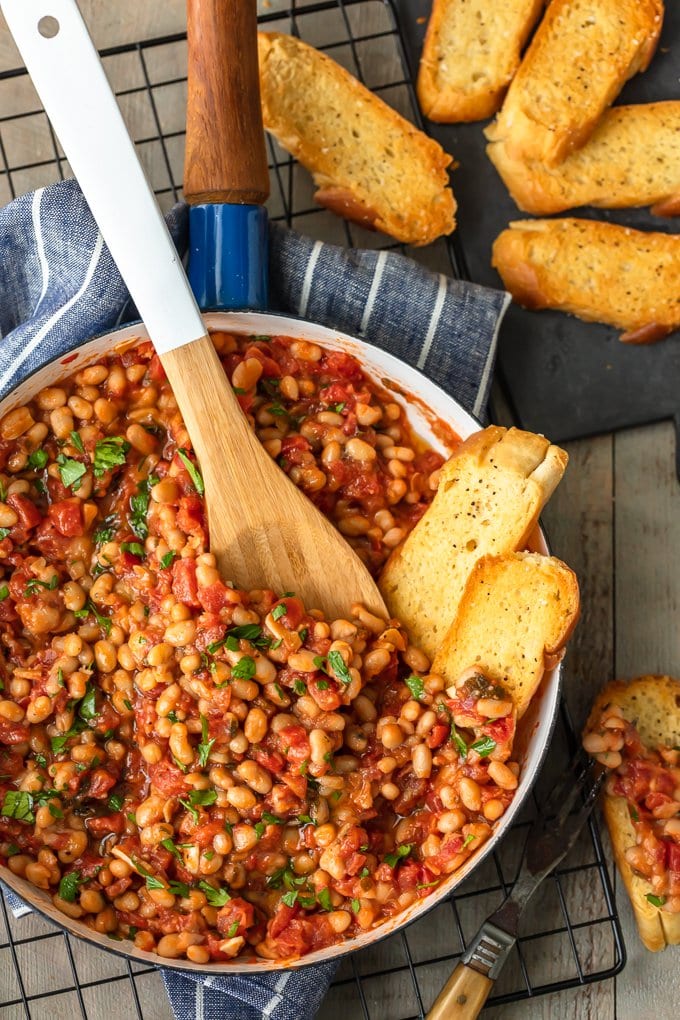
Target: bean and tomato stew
[205,771]
[649,780]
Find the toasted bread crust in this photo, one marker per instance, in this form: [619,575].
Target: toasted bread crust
[490,495]
[632,159]
[652,703]
[470,55]
[369,163]
[514,620]
[581,55]
[600,272]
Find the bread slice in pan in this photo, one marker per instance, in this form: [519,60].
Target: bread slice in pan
[579,58]
[652,704]
[369,163]
[490,495]
[472,49]
[632,159]
[513,622]
[600,272]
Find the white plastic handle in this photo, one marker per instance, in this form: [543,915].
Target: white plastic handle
[68,75]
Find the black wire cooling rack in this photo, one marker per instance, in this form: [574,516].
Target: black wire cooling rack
[571,935]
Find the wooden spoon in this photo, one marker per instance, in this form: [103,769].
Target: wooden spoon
[264,532]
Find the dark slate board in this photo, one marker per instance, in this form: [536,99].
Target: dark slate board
[565,378]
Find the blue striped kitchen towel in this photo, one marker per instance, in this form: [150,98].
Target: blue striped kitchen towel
[59,286]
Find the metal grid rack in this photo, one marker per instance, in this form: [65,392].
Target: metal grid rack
[571,936]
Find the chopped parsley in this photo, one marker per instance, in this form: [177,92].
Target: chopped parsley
[193,473]
[34,583]
[260,828]
[171,847]
[106,530]
[272,819]
[279,611]
[203,797]
[139,507]
[215,897]
[484,746]
[18,804]
[115,802]
[468,839]
[179,888]
[299,687]
[402,851]
[356,906]
[415,685]
[40,760]
[337,664]
[656,901]
[38,459]
[77,442]
[634,813]
[60,742]
[205,747]
[231,931]
[324,898]
[133,547]
[166,560]
[290,897]
[4,593]
[12,850]
[244,668]
[68,887]
[322,685]
[88,709]
[71,471]
[109,453]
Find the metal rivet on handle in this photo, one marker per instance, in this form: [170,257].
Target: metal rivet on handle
[48,27]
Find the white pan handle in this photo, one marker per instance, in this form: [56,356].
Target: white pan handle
[67,73]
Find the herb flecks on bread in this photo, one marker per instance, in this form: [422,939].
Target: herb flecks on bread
[490,495]
[634,728]
[369,163]
[632,159]
[472,50]
[515,617]
[600,272]
[579,58]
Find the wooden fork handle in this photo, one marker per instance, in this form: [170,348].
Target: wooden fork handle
[226,159]
[463,995]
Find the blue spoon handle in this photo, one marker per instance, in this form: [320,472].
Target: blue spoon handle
[226,179]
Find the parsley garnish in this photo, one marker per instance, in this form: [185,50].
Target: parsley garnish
[193,473]
[12,850]
[279,611]
[233,928]
[402,851]
[634,814]
[215,897]
[166,560]
[18,804]
[115,802]
[34,583]
[77,442]
[38,459]
[468,839]
[68,887]
[106,530]
[71,471]
[109,453]
[656,901]
[88,708]
[324,898]
[415,685]
[337,664]
[259,829]
[290,897]
[484,746]
[299,687]
[168,845]
[244,668]
[205,747]
[4,593]
[356,906]
[133,547]
[139,506]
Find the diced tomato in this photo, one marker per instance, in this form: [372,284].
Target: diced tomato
[13,733]
[168,779]
[67,517]
[294,614]
[237,911]
[271,760]
[102,825]
[282,918]
[27,512]
[437,735]
[156,370]
[184,583]
[101,781]
[292,448]
[324,691]
[294,744]
[336,363]
[204,834]
[52,544]
[214,597]
[191,515]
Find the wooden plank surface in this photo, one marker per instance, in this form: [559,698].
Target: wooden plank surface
[615,519]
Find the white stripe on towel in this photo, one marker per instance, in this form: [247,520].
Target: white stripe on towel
[484,381]
[309,275]
[277,996]
[40,242]
[60,312]
[373,292]
[434,322]
[199,1014]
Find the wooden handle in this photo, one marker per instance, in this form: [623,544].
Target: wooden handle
[225,160]
[463,995]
